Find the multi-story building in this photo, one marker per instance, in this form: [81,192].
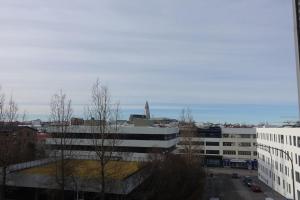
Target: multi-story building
[279,159]
[132,142]
[234,147]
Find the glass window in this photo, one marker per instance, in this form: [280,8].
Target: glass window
[244,152]
[229,152]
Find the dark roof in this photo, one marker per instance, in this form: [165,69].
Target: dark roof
[6,128]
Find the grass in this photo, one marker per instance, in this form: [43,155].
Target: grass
[117,170]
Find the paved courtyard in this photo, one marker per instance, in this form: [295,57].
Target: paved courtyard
[226,188]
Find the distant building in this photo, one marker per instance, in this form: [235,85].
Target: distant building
[21,140]
[77,121]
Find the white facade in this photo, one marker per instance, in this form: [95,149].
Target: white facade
[135,143]
[239,143]
[275,168]
[232,143]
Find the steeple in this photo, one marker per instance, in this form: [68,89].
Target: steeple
[147,110]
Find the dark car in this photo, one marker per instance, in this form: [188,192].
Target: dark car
[247,181]
[234,175]
[255,187]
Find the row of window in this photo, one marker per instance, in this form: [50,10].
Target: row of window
[288,140]
[239,135]
[229,152]
[112,149]
[241,144]
[120,136]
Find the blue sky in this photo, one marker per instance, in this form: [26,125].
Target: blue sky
[168,52]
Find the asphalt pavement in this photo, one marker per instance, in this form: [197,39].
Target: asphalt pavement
[223,186]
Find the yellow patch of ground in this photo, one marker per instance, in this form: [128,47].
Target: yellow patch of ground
[87,169]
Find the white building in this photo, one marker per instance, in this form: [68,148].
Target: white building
[132,143]
[275,167]
[223,146]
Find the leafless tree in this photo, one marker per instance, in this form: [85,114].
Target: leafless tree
[2,106]
[11,111]
[61,113]
[104,126]
[8,150]
[188,130]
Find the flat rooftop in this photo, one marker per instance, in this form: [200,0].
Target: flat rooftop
[86,169]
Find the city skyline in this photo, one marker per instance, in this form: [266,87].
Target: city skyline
[165,52]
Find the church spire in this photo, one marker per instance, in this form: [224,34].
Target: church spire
[147,110]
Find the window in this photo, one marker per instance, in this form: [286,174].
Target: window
[278,180]
[290,140]
[229,152]
[245,135]
[298,141]
[225,135]
[282,139]
[212,152]
[212,144]
[255,153]
[245,144]
[244,152]
[294,137]
[298,177]
[228,143]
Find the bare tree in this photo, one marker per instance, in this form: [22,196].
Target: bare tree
[2,108]
[61,113]
[11,111]
[104,126]
[188,130]
[8,150]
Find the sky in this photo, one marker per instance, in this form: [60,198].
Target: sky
[172,53]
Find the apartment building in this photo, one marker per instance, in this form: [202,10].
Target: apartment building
[131,143]
[279,159]
[235,147]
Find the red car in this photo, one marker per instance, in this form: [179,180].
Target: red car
[255,188]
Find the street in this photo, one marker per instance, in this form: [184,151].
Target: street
[223,186]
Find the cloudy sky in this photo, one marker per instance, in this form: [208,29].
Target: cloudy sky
[164,51]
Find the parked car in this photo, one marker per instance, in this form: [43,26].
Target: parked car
[247,181]
[255,188]
[235,175]
[214,198]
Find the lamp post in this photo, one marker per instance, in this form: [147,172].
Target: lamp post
[264,147]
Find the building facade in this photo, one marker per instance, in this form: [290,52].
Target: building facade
[279,159]
[132,142]
[235,147]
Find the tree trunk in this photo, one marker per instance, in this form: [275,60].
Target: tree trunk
[102,183]
[3,184]
[62,168]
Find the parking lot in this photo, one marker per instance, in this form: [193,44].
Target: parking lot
[223,186]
